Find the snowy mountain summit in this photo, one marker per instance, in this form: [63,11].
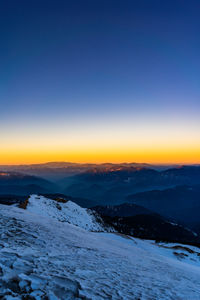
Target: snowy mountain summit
[43,257]
[66,211]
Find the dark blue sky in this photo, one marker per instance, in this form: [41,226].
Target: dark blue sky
[104,61]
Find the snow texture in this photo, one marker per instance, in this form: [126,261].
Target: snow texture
[42,258]
[68,212]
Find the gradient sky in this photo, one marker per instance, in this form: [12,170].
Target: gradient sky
[100,81]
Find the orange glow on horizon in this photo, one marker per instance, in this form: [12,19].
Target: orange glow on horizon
[160,156]
[153,142]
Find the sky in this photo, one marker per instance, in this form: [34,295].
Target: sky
[99,81]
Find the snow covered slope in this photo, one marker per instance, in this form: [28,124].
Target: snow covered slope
[42,258]
[68,212]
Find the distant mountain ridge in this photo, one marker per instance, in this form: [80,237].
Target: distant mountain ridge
[60,170]
[135,220]
[112,186]
[180,202]
[122,210]
[105,184]
[21,184]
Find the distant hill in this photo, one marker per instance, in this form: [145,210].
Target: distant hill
[60,170]
[22,184]
[183,175]
[135,220]
[105,184]
[123,210]
[111,185]
[152,226]
[181,202]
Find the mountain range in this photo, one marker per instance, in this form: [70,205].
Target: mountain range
[23,184]
[173,193]
[60,170]
[181,203]
[135,220]
[114,186]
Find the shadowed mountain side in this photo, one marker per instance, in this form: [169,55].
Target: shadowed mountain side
[153,226]
[112,186]
[123,210]
[135,220]
[12,199]
[181,203]
[23,189]
[22,184]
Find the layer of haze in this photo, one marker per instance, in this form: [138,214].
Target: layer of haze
[97,81]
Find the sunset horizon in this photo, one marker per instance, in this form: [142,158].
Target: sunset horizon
[99,83]
[99,162]
[100,149]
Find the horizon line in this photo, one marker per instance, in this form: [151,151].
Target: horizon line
[101,163]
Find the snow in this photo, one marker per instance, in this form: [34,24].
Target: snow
[65,212]
[43,257]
